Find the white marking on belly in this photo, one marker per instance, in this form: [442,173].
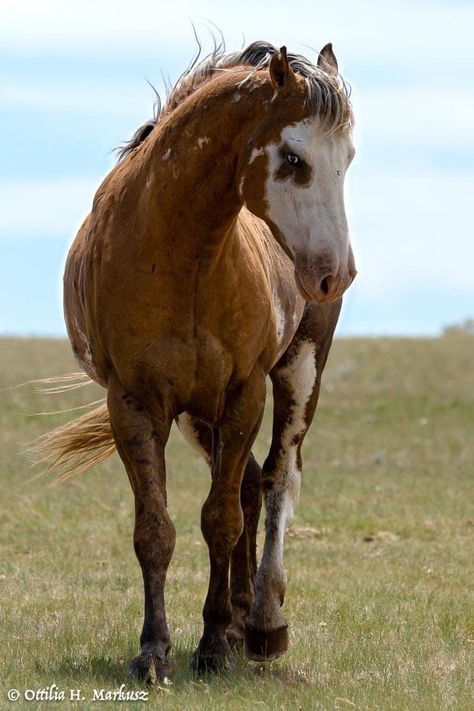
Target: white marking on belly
[166,154]
[236,97]
[149,181]
[187,429]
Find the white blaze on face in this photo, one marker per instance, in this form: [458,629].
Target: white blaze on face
[310,216]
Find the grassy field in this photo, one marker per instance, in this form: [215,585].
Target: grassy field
[380,556]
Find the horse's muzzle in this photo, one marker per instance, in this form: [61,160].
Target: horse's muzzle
[323,283]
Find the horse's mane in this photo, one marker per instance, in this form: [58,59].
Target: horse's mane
[327,98]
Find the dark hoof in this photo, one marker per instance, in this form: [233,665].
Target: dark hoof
[202,663]
[150,668]
[265,645]
[235,635]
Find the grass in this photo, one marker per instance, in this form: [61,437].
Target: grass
[379,556]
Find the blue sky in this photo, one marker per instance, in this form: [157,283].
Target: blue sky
[73,86]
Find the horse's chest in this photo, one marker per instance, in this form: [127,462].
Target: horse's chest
[221,363]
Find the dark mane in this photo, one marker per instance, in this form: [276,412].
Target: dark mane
[328,95]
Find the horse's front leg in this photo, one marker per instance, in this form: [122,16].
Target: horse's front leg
[140,441]
[243,566]
[296,381]
[222,518]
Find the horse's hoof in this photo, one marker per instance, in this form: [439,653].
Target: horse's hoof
[150,668]
[211,663]
[262,645]
[235,635]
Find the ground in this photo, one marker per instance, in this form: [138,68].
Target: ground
[379,557]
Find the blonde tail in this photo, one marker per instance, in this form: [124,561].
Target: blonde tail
[76,446]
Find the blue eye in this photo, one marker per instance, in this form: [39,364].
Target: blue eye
[292,159]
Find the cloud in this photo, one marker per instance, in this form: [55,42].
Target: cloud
[411,238]
[433,115]
[406,114]
[86,96]
[53,208]
[409,35]
[406,227]
[410,189]
[412,229]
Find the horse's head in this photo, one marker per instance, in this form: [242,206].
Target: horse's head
[292,175]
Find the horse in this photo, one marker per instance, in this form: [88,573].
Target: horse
[216,253]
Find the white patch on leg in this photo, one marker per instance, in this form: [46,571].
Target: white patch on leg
[300,375]
[190,434]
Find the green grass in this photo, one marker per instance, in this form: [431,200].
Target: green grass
[379,557]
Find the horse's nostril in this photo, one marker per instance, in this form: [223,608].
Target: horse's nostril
[325,286]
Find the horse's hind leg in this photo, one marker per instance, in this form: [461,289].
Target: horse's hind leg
[140,443]
[243,566]
[296,381]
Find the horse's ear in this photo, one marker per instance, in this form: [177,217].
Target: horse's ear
[280,69]
[327,60]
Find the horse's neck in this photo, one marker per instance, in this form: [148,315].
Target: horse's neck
[192,161]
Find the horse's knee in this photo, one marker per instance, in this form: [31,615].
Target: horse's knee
[222,521]
[154,538]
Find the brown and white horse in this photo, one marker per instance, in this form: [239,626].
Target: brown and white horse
[216,253]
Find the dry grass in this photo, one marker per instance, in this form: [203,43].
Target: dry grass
[379,559]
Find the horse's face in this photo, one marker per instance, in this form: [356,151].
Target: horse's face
[295,183]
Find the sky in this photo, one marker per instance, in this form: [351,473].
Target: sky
[73,86]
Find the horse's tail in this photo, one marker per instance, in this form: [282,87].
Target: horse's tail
[76,446]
